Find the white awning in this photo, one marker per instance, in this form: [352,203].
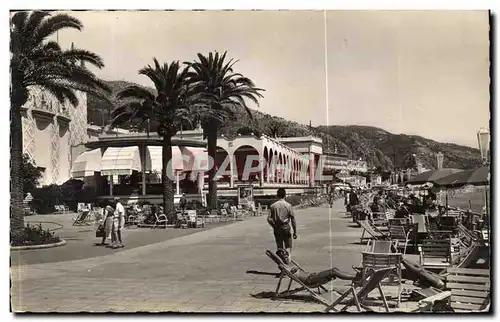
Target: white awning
[198,158]
[86,164]
[121,161]
[183,159]
[154,159]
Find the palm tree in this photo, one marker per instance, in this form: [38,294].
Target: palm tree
[224,92]
[38,61]
[168,110]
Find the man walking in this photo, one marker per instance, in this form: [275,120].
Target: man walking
[118,224]
[280,216]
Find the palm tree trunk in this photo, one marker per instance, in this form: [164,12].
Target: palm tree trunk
[18,98]
[166,173]
[212,151]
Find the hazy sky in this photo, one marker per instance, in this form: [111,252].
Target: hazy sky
[424,73]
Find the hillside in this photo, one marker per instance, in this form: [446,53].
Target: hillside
[377,146]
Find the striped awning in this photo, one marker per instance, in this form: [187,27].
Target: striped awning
[86,164]
[121,161]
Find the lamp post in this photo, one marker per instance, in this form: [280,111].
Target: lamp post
[483,139]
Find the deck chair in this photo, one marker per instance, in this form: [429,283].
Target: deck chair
[194,220]
[213,216]
[467,290]
[372,231]
[439,253]
[82,218]
[400,236]
[384,258]
[287,271]
[381,246]
[371,281]
[160,219]
[470,289]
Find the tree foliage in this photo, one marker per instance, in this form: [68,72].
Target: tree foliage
[31,175]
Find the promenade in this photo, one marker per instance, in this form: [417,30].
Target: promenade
[203,271]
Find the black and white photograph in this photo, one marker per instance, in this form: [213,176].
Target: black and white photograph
[250,161]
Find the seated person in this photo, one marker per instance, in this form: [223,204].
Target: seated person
[315,279]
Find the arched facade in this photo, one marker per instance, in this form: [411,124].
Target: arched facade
[278,162]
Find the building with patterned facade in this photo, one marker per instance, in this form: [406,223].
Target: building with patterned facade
[49,130]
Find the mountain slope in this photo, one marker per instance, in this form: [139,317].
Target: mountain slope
[377,146]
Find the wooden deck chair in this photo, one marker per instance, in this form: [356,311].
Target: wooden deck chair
[373,261]
[399,235]
[467,290]
[470,289]
[369,283]
[372,231]
[287,271]
[439,253]
[381,246]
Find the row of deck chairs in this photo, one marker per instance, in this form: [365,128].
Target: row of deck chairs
[465,290]
[314,202]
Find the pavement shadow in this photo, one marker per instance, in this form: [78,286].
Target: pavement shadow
[292,297]
[354,226]
[254,272]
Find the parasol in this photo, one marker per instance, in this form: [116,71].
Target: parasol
[432,176]
[476,177]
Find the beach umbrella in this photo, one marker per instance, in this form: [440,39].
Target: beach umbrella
[476,177]
[432,176]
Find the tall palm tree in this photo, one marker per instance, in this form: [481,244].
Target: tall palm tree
[224,92]
[168,110]
[38,61]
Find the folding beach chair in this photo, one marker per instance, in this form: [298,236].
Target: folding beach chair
[82,218]
[467,290]
[290,271]
[385,258]
[369,283]
[372,231]
[160,219]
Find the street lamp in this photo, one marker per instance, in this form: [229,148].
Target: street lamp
[483,139]
[440,159]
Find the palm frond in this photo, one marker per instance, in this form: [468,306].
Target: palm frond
[55,23]
[135,92]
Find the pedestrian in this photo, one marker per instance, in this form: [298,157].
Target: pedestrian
[108,224]
[280,216]
[118,224]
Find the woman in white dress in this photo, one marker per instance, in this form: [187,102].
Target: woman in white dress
[108,223]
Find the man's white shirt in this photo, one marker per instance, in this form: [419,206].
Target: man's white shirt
[119,211]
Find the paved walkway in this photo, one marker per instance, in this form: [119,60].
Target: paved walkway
[81,240]
[203,272]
